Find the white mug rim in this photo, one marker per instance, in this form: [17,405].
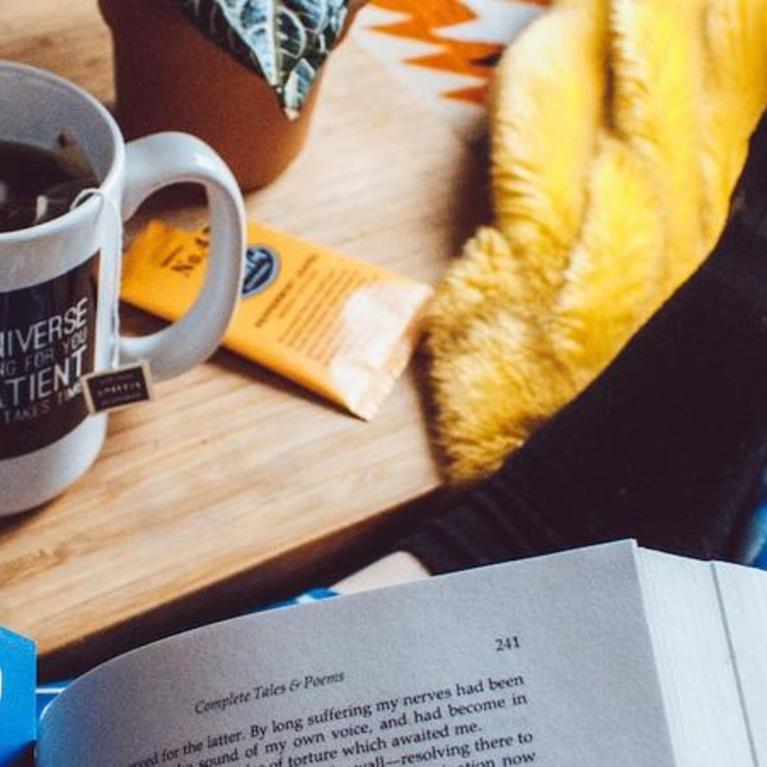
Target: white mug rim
[88,208]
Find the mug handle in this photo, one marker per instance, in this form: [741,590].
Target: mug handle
[170,158]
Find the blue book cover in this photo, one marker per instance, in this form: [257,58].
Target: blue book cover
[18,709]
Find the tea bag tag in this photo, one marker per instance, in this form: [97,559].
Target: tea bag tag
[117,389]
[121,386]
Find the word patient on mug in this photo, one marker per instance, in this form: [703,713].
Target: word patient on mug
[47,337]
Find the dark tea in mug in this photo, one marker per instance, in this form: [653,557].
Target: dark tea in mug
[38,185]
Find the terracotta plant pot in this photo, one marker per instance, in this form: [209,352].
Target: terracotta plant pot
[169,76]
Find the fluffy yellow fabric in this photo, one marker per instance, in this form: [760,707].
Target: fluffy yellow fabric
[619,128]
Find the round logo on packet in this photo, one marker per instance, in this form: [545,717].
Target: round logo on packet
[262,265]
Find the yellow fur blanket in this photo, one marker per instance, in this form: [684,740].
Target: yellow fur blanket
[619,128]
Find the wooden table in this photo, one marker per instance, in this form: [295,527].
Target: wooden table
[235,486]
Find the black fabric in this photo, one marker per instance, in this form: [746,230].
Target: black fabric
[665,446]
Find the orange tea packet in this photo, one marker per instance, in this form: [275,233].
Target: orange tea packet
[343,328]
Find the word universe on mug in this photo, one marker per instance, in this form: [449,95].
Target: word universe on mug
[41,364]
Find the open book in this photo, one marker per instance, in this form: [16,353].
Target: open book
[601,657]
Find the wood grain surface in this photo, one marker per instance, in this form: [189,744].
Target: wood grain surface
[234,483]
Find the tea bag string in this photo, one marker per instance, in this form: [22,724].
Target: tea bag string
[115,257]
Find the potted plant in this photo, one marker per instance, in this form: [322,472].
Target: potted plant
[243,75]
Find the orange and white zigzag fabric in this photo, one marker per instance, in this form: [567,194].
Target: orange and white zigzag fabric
[445,50]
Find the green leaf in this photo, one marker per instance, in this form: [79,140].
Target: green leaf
[283,41]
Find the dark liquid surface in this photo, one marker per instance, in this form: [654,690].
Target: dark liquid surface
[38,185]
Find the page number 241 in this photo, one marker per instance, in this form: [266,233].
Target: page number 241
[507,643]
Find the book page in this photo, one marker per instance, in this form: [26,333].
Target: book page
[743,593]
[543,662]
[693,656]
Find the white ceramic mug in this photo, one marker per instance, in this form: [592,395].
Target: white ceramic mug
[59,281]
